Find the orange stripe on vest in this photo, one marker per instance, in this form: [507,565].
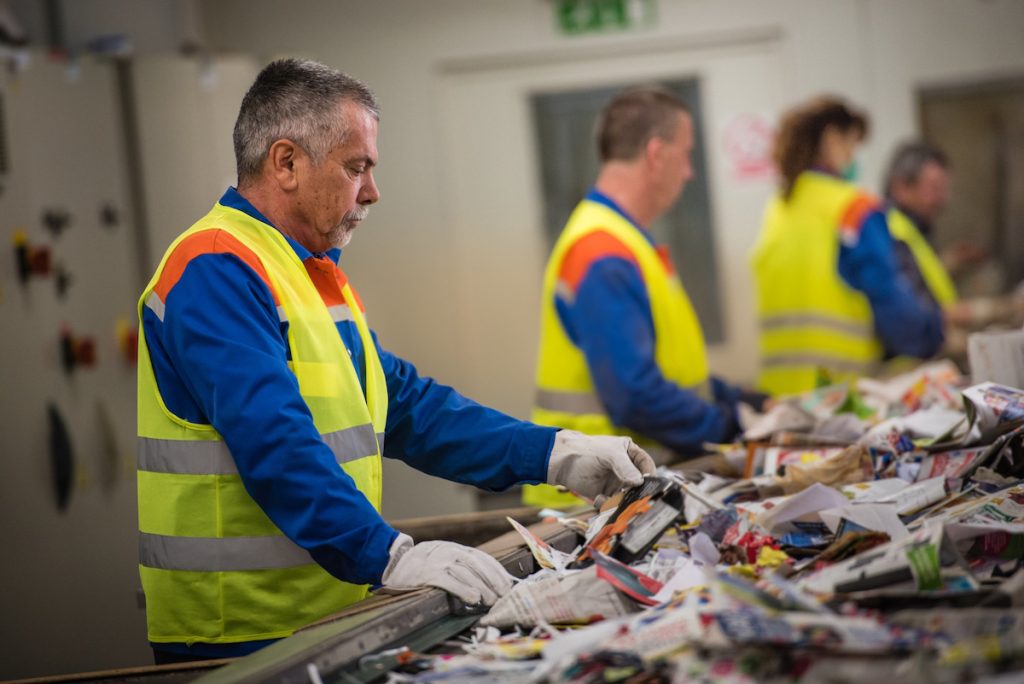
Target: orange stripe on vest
[329,281]
[207,242]
[855,212]
[590,248]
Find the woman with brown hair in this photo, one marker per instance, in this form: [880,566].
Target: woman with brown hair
[832,303]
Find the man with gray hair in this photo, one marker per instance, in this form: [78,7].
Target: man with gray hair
[917,182]
[266,402]
[917,190]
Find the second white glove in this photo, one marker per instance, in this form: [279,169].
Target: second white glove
[470,574]
[596,465]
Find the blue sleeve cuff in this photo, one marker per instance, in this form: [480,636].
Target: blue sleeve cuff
[372,557]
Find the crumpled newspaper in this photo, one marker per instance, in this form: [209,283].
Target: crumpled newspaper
[576,598]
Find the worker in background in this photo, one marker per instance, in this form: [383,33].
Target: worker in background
[266,401]
[916,192]
[621,350]
[832,302]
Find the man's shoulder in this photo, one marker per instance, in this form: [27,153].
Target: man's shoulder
[211,242]
[589,249]
[855,212]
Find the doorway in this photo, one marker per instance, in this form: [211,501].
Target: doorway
[980,126]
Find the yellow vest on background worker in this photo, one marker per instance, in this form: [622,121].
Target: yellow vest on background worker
[566,396]
[902,228]
[214,568]
[813,325]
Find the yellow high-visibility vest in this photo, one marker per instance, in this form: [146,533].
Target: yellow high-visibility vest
[812,324]
[214,568]
[902,228]
[565,395]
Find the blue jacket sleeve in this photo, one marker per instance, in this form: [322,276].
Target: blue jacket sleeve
[438,431]
[221,335]
[730,395]
[904,322]
[610,321]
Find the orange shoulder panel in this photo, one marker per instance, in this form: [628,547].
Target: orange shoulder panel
[588,249]
[211,241]
[853,215]
[330,281]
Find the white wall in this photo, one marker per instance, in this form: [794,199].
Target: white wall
[186,110]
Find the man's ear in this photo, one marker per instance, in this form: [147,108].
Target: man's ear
[282,158]
[652,151]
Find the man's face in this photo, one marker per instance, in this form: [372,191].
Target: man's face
[336,195]
[674,160]
[928,195]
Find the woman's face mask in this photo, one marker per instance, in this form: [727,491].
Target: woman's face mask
[852,170]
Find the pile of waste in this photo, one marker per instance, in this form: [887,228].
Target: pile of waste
[871,530]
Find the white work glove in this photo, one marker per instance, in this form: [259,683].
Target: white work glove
[594,466]
[468,573]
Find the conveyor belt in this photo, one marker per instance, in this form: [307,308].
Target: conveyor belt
[331,649]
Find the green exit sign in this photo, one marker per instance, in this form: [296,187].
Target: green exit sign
[575,17]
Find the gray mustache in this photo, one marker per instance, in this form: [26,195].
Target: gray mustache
[357,214]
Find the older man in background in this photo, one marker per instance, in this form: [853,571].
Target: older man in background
[917,191]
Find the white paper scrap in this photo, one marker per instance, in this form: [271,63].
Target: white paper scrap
[689,575]
[917,496]
[870,516]
[817,497]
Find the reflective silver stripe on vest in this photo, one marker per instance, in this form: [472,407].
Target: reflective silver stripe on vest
[352,443]
[155,304]
[197,457]
[185,457]
[853,328]
[564,292]
[225,554]
[579,403]
[340,312]
[587,403]
[775,360]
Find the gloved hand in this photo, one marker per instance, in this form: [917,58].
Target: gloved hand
[468,573]
[596,465]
